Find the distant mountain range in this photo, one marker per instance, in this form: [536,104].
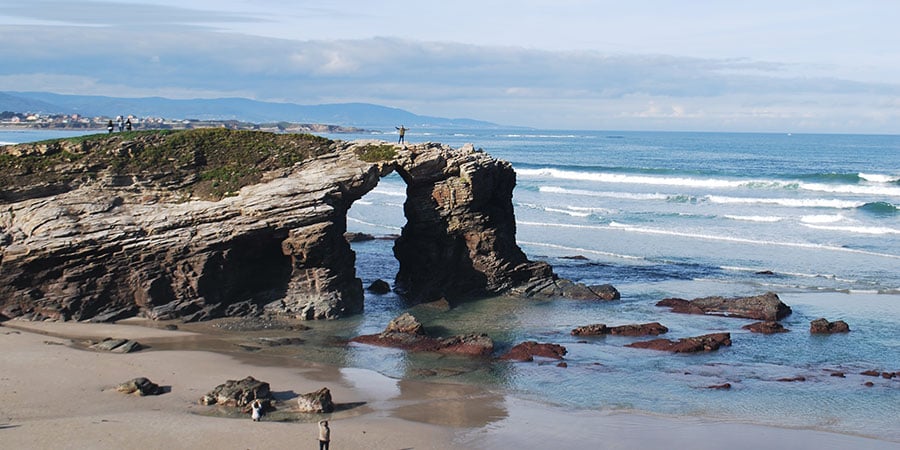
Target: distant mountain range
[346,114]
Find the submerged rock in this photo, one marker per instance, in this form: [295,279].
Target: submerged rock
[526,351]
[406,333]
[643,329]
[766,307]
[768,327]
[705,343]
[823,326]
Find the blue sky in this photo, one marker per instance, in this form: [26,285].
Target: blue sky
[782,66]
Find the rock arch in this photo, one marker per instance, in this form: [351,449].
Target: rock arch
[103,252]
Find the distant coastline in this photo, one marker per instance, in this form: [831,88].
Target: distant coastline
[56,123]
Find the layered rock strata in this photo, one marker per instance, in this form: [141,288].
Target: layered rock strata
[119,245]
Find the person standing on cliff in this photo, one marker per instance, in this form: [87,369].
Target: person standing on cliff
[324,435]
[402,133]
[109,126]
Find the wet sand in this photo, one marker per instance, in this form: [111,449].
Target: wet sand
[56,395]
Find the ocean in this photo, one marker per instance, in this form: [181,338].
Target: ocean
[813,218]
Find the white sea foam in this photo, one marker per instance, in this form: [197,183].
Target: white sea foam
[386,191]
[605,194]
[579,250]
[790,202]
[568,211]
[708,237]
[822,218]
[371,224]
[755,218]
[879,178]
[7,143]
[852,189]
[855,230]
[604,177]
[362,202]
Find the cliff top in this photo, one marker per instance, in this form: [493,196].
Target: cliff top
[202,163]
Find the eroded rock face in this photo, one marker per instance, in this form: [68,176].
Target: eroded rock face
[760,307]
[118,247]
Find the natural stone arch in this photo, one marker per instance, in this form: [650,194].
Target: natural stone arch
[102,252]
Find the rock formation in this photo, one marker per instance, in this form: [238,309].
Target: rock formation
[139,386]
[405,332]
[768,327]
[760,307]
[115,228]
[642,329]
[526,351]
[237,393]
[705,343]
[823,326]
[316,402]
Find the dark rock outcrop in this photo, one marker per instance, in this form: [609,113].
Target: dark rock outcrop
[705,343]
[823,326]
[117,244]
[379,287]
[760,307]
[526,351]
[405,332]
[316,402]
[768,327]
[642,329]
[237,393]
[139,386]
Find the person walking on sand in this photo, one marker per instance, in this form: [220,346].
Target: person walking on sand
[402,133]
[324,435]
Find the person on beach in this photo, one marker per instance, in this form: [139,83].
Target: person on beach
[402,131]
[324,435]
[256,410]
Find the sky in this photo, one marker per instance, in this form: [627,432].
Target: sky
[699,65]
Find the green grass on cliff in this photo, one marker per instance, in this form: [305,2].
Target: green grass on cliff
[376,153]
[206,163]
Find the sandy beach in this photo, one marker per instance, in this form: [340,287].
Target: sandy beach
[56,395]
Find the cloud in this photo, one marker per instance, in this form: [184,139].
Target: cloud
[513,85]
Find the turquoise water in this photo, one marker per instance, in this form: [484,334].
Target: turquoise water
[673,214]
